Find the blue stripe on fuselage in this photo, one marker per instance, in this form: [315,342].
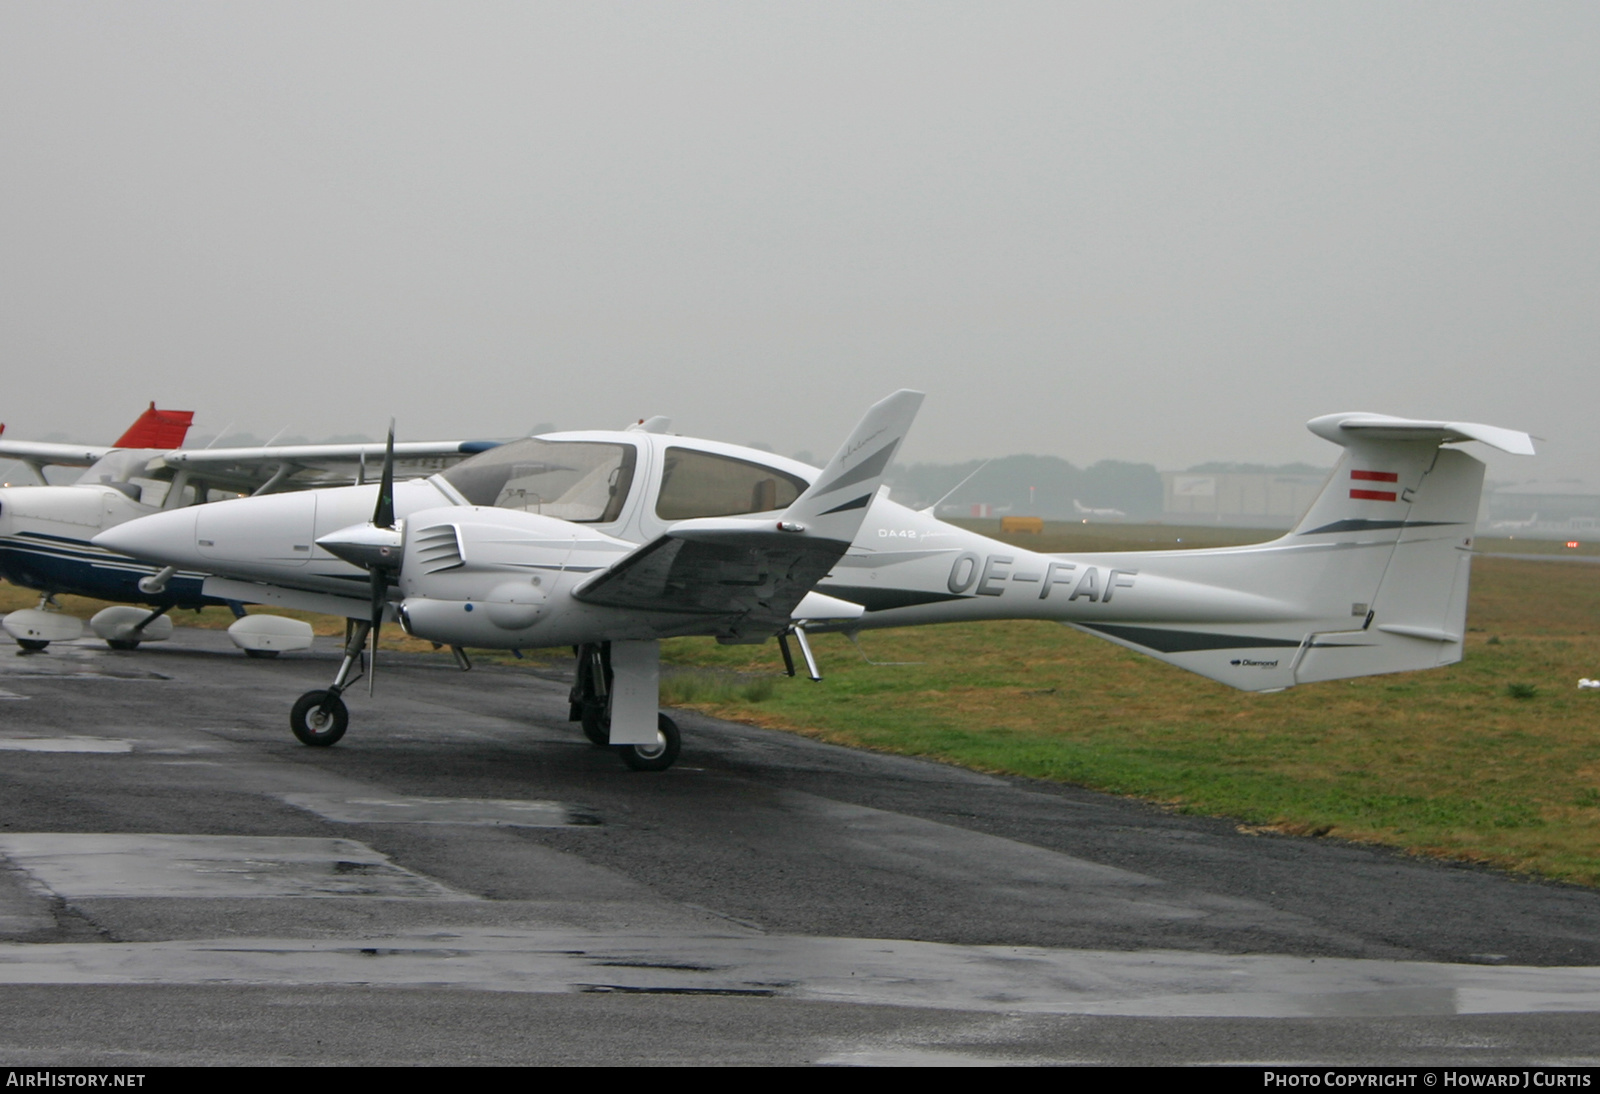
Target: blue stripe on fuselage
[78,567]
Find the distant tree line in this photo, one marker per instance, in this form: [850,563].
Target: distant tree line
[1135,488]
[1222,467]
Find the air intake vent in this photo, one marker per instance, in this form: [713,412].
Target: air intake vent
[438,549]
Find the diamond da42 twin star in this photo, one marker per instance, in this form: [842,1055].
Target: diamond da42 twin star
[611,541]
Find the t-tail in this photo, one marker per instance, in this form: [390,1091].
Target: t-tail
[1372,580]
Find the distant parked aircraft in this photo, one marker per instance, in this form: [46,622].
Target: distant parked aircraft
[1513,525]
[1087,513]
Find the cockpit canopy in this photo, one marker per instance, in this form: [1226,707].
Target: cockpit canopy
[588,481]
[582,481]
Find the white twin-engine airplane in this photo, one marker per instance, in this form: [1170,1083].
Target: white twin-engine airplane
[611,541]
[45,530]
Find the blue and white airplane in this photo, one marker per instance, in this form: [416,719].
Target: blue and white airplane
[46,531]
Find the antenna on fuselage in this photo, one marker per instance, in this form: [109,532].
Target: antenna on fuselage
[930,509]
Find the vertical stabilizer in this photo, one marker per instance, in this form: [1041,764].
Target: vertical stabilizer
[157,429]
[1417,617]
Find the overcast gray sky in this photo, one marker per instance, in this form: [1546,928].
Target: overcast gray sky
[1157,232]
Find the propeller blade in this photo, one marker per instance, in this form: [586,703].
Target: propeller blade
[380,586]
[383,515]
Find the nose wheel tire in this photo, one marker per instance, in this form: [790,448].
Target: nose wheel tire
[123,643]
[32,645]
[319,719]
[261,654]
[654,757]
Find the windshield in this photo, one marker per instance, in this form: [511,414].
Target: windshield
[583,481]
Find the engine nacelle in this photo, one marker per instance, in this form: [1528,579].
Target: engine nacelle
[488,577]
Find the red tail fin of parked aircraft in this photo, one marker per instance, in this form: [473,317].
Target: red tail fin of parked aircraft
[157,429]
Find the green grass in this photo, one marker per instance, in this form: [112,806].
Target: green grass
[700,686]
[1496,759]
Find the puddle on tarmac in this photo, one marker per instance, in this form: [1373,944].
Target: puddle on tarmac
[64,744]
[80,865]
[503,812]
[1007,980]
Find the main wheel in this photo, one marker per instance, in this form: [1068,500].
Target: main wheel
[319,719]
[32,645]
[123,643]
[659,756]
[261,653]
[596,722]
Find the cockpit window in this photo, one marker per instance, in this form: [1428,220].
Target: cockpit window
[702,484]
[581,481]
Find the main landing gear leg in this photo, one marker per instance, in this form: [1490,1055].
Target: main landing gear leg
[625,677]
[591,692]
[319,718]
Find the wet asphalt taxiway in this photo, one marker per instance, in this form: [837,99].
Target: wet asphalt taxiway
[464,879]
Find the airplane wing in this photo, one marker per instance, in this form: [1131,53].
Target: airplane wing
[47,454]
[152,429]
[303,466]
[754,571]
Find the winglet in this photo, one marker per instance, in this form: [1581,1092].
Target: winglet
[836,502]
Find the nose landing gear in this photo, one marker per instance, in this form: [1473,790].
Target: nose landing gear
[319,718]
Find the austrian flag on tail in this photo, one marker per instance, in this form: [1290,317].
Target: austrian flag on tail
[1373,476]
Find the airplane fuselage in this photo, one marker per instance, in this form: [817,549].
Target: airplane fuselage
[45,534]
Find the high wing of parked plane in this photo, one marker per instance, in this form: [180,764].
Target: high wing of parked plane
[611,541]
[45,530]
[153,429]
[1085,513]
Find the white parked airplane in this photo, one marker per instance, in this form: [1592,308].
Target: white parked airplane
[45,531]
[1085,512]
[611,541]
[1513,525]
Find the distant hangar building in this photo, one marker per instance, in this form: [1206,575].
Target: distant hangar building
[1244,497]
[1239,496]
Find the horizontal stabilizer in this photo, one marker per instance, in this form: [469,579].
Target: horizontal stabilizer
[1343,428]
